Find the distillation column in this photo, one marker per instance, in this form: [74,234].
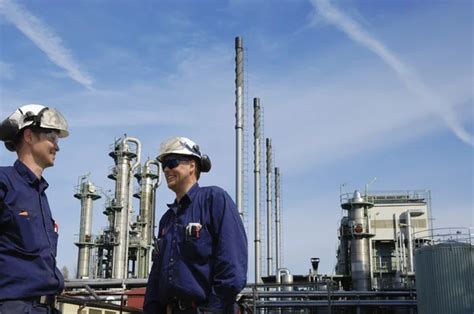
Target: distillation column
[149,181]
[123,155]
[359,241]
[87,194]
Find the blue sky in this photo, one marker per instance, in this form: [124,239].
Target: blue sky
[351,90]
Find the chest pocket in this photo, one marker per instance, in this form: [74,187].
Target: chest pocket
[196,250]
[53,235]
[22,229]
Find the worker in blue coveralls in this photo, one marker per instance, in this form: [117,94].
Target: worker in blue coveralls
[201,260]
[29,278]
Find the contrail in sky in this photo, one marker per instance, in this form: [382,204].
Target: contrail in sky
[45,38]
[404,72]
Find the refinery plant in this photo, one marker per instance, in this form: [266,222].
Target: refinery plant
[124,248]
[389,257]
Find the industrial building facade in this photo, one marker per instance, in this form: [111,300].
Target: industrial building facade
[382,236]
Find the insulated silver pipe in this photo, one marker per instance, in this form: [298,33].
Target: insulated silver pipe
[404,253]
[105,283]
[321,292]
[123,156]
[279,273]
[257,241]
[411,267]
[335,303]
[269,208]
[400,251]
[87,194]
[397,254]
[397,283]
[277,220]
[134,166]
[239,122]
[371,260]
[149,181]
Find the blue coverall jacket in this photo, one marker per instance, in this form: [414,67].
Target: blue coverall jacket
[28,236]
[209,268]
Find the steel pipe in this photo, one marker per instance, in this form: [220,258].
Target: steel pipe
[269,208]
[257,241]
[277,220]
[239,122]
[337,303]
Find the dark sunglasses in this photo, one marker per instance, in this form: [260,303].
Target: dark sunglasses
[172,163]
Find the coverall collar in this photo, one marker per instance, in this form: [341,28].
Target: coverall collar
[29,176]
[185,200]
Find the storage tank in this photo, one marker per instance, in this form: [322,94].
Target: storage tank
[445,278]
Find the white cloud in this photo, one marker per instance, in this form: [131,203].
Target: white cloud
[406,74]
[45,38]
[312,126]
[182,99]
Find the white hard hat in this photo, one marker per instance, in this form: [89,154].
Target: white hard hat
[184,146]
[32,115]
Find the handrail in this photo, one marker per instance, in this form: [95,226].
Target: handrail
[445,235]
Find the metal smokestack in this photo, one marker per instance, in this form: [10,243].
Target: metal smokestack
[277,220]
[87,194]
[269,208]
[256,107]
[239,121]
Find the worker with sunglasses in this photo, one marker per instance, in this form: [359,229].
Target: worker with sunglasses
[201,261]
[29,277]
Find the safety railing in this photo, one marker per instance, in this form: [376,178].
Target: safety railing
[311,297]
[444,235]
[320,296]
